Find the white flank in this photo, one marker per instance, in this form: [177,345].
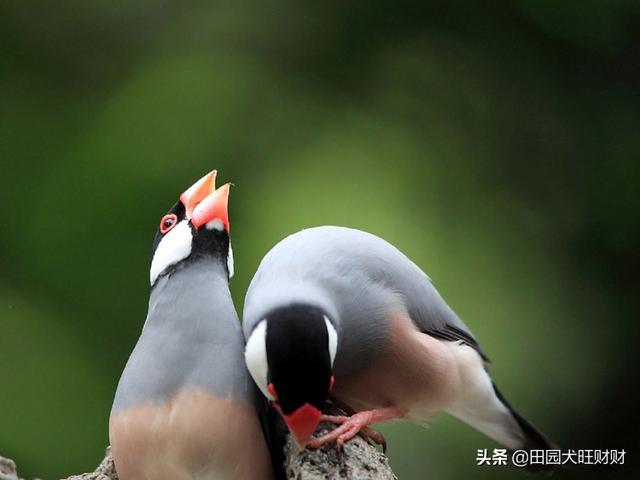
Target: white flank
[478,405]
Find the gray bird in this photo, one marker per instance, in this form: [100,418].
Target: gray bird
[337,312]
[184,407]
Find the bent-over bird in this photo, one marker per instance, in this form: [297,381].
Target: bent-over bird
[337,312]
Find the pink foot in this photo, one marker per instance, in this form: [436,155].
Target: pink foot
[354,425]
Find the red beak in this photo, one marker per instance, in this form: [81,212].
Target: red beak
[204,204]
[302,423]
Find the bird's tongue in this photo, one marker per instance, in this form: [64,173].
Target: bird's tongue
[302,423]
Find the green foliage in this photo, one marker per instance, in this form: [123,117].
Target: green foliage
[496,146]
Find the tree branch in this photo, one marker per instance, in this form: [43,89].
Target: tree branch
[358,460]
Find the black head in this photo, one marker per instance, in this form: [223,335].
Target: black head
[298,355]
[196,226]
[298,344]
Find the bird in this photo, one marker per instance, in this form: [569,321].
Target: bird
[185,406]
[335,313]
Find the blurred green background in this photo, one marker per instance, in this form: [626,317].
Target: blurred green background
[495,143]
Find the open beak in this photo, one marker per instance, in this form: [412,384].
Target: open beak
[198,191]
[204,204]
[302,423]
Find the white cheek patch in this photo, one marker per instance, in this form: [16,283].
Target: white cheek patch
[174,246]
[215,224]
[333,339]
[255,356]
[230,261]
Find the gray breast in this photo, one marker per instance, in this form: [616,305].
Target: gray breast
[191,338]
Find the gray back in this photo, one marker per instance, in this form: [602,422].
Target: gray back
[356,277]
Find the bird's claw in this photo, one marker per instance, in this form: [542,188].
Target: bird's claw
[374,437]
[348,428]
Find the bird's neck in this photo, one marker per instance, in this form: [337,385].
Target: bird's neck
[194,296]
[191,325]
[198,275]
[192,318]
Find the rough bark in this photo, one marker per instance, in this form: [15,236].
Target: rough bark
[105,471]
[358,460]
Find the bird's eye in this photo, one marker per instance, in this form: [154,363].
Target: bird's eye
[167,223]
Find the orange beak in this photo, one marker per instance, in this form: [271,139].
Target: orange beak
[302,423]
[204,204]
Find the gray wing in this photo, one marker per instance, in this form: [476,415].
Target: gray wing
[426,307]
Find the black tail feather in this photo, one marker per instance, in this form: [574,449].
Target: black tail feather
[534,438]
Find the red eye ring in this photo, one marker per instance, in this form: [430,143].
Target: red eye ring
[168,222]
